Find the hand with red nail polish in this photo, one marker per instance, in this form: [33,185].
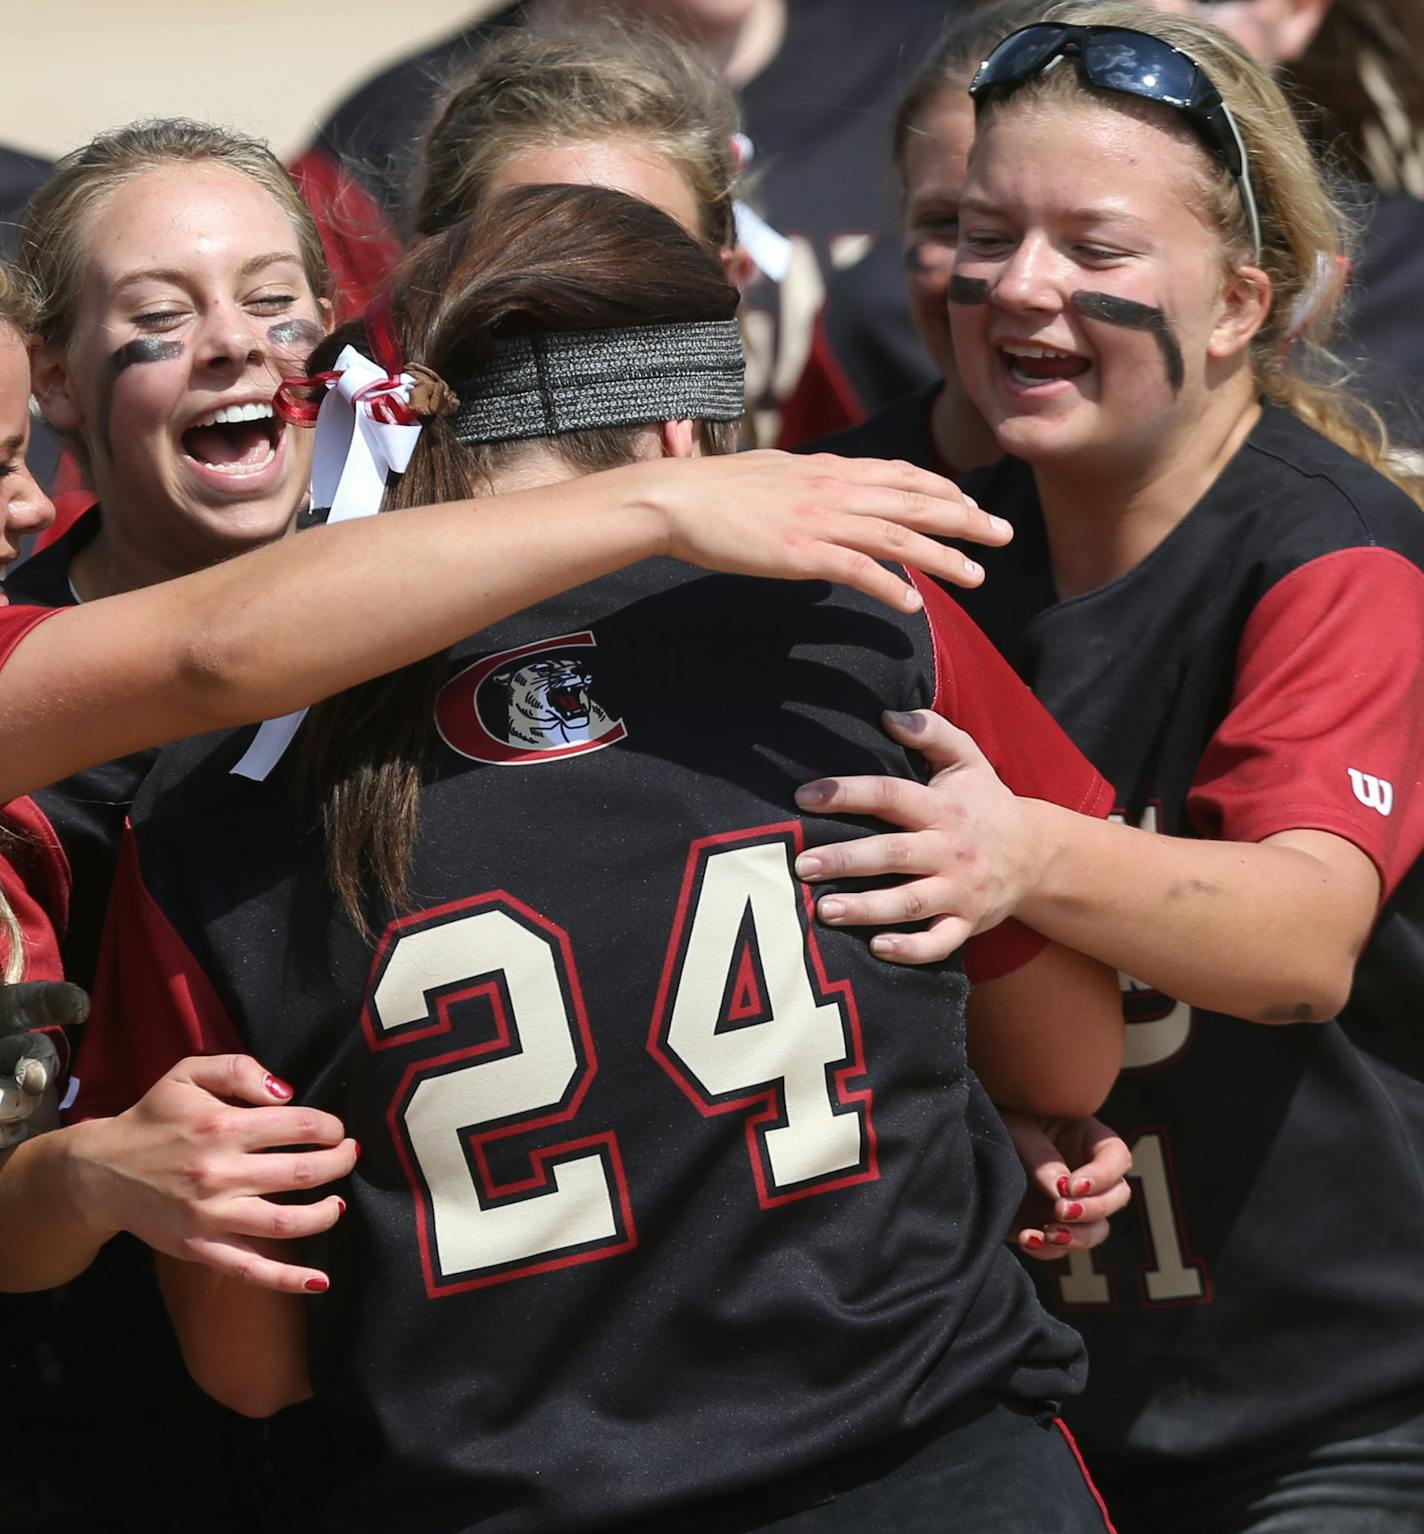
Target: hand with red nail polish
[1077,1171]
[196,1168]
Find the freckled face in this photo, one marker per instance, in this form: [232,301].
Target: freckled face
[936,166]
[620,164]
[190,270]
[24,507]
[1078,197]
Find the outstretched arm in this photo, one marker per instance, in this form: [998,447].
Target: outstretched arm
[278,628]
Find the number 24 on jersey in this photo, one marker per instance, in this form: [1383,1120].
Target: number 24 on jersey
[744,1022]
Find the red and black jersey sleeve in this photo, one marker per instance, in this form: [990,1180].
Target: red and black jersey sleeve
[976,689]
[15,623]
[1326,723]
[152,1006]
[34,879]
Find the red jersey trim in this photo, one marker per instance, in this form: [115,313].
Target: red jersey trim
[153,1004]
[977,690]
[1325,731]
[69,506]
[1077,1453]
[823,400]
[34,880]
[16,622]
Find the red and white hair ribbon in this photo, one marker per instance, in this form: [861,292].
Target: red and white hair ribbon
[1331,274]
[366,430]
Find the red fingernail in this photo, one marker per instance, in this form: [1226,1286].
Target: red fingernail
[317,1285]
[1060,1237]
[1063,1187]
[1073,1212]
[277,1088]
[1082,1187]
[341,1205]
[1033,1240]
[357,1145]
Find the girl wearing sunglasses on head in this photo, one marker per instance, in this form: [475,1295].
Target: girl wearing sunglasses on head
[1216,587]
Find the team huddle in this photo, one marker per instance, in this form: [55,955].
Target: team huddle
[567,967]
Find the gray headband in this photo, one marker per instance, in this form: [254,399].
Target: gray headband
[550,382]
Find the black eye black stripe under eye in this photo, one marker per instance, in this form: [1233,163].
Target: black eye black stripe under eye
[143,349]
[968,290]
[140,350]
[1113,310]
[290,332]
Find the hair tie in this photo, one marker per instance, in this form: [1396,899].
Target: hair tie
[367,426]
[1332,272]
[431,395]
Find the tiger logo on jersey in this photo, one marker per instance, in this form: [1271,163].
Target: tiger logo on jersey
[533,704]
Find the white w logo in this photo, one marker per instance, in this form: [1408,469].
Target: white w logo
[1374,793]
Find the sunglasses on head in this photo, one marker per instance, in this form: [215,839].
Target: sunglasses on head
[1134,64]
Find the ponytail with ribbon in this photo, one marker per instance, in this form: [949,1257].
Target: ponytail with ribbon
[367,425]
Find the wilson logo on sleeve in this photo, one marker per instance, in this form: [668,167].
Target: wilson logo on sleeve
[1374,793]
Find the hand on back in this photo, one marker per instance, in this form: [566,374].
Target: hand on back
[820,517]
[962,846]
[194,1167]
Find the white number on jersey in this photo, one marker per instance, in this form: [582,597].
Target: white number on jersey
[742,1027]
[474,1231]
[744,1022]
[1172,1279]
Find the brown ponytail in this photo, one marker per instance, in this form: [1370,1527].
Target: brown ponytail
[537,259]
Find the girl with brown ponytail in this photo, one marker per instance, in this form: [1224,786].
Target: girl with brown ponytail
[670,1212]
[177,279]
[230,639]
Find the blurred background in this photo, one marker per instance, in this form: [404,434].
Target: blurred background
[160,58]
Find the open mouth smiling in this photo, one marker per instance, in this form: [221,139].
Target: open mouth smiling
[236,440]
[1030,364]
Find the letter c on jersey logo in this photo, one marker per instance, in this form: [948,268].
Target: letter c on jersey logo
[533,704]
[1374,793]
